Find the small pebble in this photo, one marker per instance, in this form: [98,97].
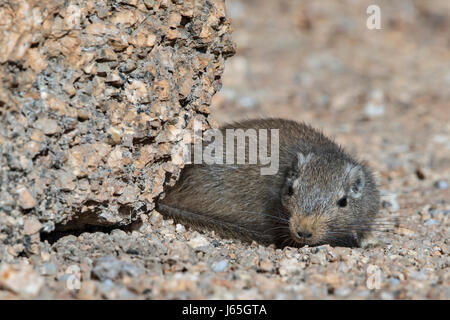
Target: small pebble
[180,228]
[220,266]
[387,295]
[375,106]
[198,242]
[390,202]
[394,281]
[342,291]
[109,267]
[441,184]
[49,269]
[20,279]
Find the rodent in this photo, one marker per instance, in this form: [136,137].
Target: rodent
[320,194]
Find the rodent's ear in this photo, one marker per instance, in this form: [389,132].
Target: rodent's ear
[302,159]
[356,180]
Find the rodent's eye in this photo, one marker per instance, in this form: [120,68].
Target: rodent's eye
[290,190]
[342,202]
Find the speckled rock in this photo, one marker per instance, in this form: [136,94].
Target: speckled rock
[91,95]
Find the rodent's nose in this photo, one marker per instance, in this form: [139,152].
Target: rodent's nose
[304,234]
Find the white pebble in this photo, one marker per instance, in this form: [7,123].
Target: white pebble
[220,266]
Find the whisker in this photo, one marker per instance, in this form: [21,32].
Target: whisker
[278,228]
[267,215]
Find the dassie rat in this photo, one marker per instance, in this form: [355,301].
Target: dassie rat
[320,195]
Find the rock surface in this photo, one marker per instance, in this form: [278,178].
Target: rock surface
[95,99]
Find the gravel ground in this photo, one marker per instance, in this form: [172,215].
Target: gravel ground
[383,94]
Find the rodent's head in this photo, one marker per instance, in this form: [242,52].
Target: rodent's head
[330,200]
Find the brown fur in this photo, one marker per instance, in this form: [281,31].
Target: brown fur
[314,174]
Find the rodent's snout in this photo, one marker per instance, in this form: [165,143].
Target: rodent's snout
[304,234]
[306,229]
